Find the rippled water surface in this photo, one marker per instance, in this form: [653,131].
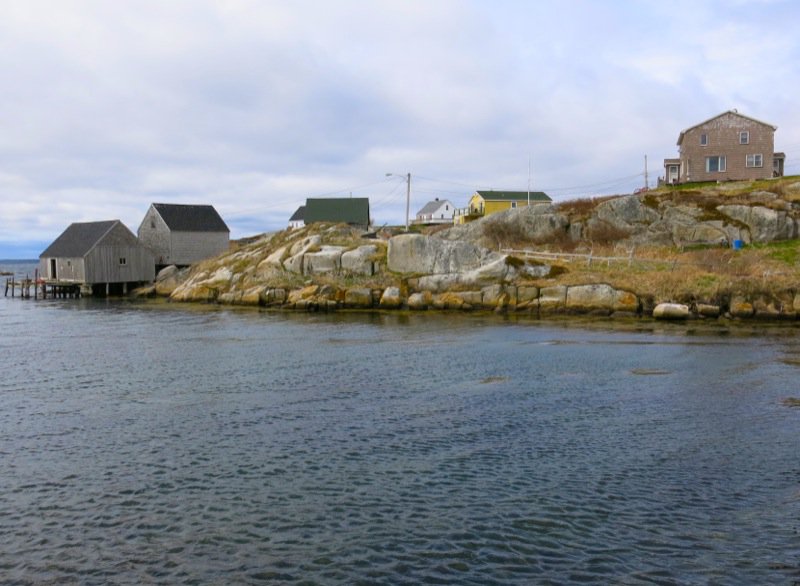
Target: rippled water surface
[155,444]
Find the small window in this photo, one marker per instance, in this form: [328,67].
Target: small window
[715,164]
[513,204]
[123,261]
[703,140]
[755,161]
[744,137]
[153,224]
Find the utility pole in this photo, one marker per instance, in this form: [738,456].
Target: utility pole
[529,180]
[408,197]
[646,182]
[407,178]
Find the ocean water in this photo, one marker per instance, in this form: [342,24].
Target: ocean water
[162,444]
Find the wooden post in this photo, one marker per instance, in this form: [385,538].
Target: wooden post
[13,286]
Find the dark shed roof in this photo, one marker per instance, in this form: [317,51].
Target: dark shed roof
[191,218]
[78,239]
[350,210]
[514,196]
[299,214]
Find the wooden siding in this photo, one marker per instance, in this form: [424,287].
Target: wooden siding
[67,269]
[191,247]
[722,139]
[179,248]
[154,234]
[103,264]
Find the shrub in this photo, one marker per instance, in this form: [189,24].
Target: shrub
[605,233]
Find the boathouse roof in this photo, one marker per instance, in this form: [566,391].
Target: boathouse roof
[191,218]
[79,238]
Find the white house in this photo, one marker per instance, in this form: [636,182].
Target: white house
[436,212]
[298,219]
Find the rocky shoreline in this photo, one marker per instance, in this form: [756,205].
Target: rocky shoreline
[299,271]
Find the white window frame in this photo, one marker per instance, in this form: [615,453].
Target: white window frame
[754,161]
[722,164]
[704,139]
[744,137]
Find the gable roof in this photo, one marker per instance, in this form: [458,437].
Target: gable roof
[726,113]
[514,196]
[299,214]
[350,210]
[433,206]
[191,218]
[78,239]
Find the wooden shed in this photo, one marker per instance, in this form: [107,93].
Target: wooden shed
[181,235]
[348,210]
[100,257]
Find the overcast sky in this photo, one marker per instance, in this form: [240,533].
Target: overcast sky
[255,105]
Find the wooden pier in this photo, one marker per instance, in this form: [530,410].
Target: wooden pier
[37,288]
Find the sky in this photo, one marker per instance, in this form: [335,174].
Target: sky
[254,105]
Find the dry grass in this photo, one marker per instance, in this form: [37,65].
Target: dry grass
[708,275]
[581,207]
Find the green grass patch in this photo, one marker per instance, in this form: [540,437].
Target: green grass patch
[785,251]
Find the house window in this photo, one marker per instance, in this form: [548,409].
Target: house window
[715,164]
[153,224]
[123,261]
[754,161]
[703,140]
[744,137]
[513,204]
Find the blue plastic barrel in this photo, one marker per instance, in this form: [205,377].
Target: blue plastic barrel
[738,244]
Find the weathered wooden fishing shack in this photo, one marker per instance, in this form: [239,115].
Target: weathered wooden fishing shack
[101,258]
[180,234]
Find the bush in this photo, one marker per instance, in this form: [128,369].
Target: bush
[605,233]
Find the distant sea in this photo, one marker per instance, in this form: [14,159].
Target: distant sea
[157,443]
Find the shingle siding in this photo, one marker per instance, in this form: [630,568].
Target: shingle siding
[100,257]
[722,139]
[180,240]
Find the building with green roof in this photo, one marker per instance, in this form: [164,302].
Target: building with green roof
[484,203]
[340,210]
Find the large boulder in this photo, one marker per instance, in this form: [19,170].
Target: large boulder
[599,297]
[359,297]
[360,261]
[327,260]
[168,279]
[627,213]
[671,311]
[391,298]
[552,299]
[416,253]
[297,252]
[765,224]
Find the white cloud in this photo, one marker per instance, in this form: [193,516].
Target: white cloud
[254,105]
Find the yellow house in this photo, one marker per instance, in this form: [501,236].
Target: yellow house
[485,203]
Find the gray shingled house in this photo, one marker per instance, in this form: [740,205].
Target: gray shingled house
[180,234]
[727,147]
[347,210]
[101,257]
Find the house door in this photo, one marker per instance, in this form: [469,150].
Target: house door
[673,174]
[53,269]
